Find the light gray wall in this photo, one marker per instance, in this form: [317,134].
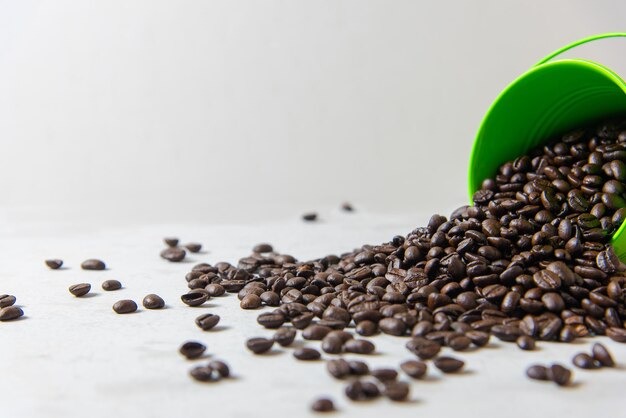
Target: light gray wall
[151,110]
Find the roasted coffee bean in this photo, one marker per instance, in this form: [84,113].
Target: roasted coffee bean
[359,346]
[338,368]
[259,345]
[110,285]
[54,264]
[310,217]
[525,342]
[192,349]
[360,391]
[332,344]
[220,367]
[171,242]
[6,300]
[366,328]
[315,332]
[478,338]
[125,306]
[10,313]
[80,289]
[193,247]
[617,334]
[323,405]
[423,348]
[173,254]
[202,373]
[93,264]
[459,343]
[263,248]
[602,355]
[559,374]
[285,336]
[153,301]
[358,368]
[414,368]
[207,321]
[396,391]
[538,372]
[585,361]
[506,332]
[271,320]
[250,301]
[194,298]
[448,364]
[306,353]
[347,207]
[546,279]
[214,289]
[384,374]
[392,326]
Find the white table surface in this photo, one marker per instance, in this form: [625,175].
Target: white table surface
[74,357]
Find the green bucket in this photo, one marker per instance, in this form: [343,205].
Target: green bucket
[549,99]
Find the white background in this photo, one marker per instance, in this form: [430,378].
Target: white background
[221,122]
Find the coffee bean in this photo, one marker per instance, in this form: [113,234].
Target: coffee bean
[271,320]
[396,391]
[366,328]
[616,334]
[423,348]
[323,405]
[384,374]
[80,289]
[10,313]
[602,355]
[546,279]
[459,343]
[585,361]
[315,332]
[259,345]
[124,306]
[559,374]
[306,353]
[263,248]
[202,373]
[525,342]
[310,217]
[506,332]
[207,321]
[478,338]
[192,349]
[54,264]
[448,364]
[214,289]
[359,346]
[6,300]
[153,301]
[338,368]
[109,285]
[173,254]
[250,301]
[537,372]
[220,367]
[194,298]
[332,344]
[392,326]
[285,336]
[413,368]
[360,391]
[358,368]
[171,242]
[93,264]
[193,247]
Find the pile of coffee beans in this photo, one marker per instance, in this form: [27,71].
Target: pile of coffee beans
[530,261]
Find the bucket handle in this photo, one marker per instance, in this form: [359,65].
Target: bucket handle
[580,42]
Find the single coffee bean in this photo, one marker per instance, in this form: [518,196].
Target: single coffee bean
[396,391]
[478,338]
[616,334]
[80,289]
[585,361]
[358,368]
[10,313]
[315,332]
[306,353]
[202,373]
[214,289]
[508,333]
[448,364]
[109,285]
[171,242]
[54,264]
[359,346]
[250,301]
[366,328]
[193,247]
[546,279]
[125,306]
[338,368]
[173,254]
[559,374]
[384,374]
[414,368]
[207,321]
[310,217]
[423,348]
[271,320]
[285,336]
[392,326]
[332,344]
[153,301]
[259,345]
[537,372]
[220,367]
[602,355]
[192,349]
[262,248]
[360,391]
[525,342]
[323,405]
[6,300]
[93,264]
[194,298]
[459,343]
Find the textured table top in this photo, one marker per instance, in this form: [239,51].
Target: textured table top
[74,357]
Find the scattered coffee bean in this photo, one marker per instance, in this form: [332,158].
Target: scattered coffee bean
[396,391]
[215,289]
[448,364]
[306,353]
[125,306]
[323,405]
[585,361]
[413,368]
[616,334]
[259,345]
[366,328]
[10,313]
[80,289]
[361,391]
[193,247]
[192,349]
[220,367]
[250,301]
[525,342]
[271,320]
[6,300]
[384,374]
[358,368]
[310,217]
[602,355]
[207,321]
[171,242]
[559,374]
[153,301]
[202,373]
[285,336]
[109,285]
[93,264]
[359,346]
[339,368]
[263,248]
[392,326]
[315,332]
[173,254]
[423,348]
[194,298]
[332,344]
[54,264]
[538,372]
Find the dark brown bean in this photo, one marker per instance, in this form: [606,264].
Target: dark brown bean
[153,301]
[10,313]
[7,300]
[174,254]
[125,306]
[259,345]
[323,405]
[192,349]
[537,372]
[194,298]
[448,364]
[359,346]
[525,342]
[207,321]
[110,285]
[585,361]
[54,264]
[93,264]
[193,247]
[307,353]
[414,368]
[80,289]
[602,355]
